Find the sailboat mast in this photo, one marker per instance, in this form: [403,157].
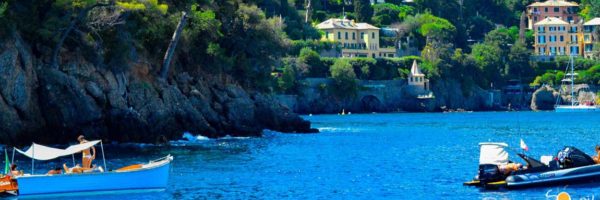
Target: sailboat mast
[572,81]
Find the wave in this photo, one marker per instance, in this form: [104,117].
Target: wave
[229,137]
[339,129]
[191,138]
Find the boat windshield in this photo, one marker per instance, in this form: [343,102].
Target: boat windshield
[533,165]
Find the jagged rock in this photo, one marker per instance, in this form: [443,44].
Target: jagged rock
[277,117]
[65,104]
[186,116]
[19,110]
[10,124]
[126,125]
[544,98]
[49,105]
[93,89]
[115,93]
[202,104]
[219,94]
[240,114]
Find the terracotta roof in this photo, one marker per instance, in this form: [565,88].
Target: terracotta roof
[551,21]
[553,3]
[593,22]
[345,24]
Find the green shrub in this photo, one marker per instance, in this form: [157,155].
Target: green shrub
[316,45]
[345,85]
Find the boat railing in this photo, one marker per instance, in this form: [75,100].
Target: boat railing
[167,157]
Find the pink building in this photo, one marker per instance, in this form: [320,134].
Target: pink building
[561,9]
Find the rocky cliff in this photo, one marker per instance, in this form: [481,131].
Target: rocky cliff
[46,105]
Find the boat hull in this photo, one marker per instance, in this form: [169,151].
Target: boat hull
[566,176]
[148,178]
[576,109]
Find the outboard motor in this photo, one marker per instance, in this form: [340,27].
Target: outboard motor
[491,156]
[490,173]
[570,157]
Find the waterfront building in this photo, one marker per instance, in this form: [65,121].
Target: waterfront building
[355,39]
[417,79]
[555,37]
[561,9]
[591,29]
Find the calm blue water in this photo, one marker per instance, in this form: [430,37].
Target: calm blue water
[393,156]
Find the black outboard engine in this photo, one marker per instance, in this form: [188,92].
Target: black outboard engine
[490,173]
[570,157]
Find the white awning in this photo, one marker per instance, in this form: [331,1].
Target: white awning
[493,153]
[41,152]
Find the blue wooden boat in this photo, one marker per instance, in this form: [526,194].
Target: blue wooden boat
[149,176]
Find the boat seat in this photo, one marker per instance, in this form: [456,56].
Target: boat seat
[546,159]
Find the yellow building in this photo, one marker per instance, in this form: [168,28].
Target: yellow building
[589,28]
[555,37]
[355,39]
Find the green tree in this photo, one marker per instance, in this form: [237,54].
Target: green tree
[363,10]
[387,13]
[591,9]
[344,79]
[478,26]
[501,38]
[488,60]
[518,65]
[365,71]
[288,81]
[310,63]
[256,43]
[432,27]
[3,7]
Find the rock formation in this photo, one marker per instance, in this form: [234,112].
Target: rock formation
[46,105]
[544,98]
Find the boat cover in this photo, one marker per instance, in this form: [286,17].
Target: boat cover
[493,153]
[41,152]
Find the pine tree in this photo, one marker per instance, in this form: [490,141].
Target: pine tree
[363,10]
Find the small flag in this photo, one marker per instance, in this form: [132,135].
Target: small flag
[6,163]
[524,146]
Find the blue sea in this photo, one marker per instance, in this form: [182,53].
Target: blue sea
[361,156]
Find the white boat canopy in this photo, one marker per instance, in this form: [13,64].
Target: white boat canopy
[493,153]
[41,152]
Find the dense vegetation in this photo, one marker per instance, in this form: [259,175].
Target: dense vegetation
[478,42]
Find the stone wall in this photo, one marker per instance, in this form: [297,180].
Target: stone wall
[388,96]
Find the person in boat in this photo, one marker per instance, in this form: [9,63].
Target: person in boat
[75,169]
[596,158]
[14,171]
[88,157]
[55,171]
[510,167]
